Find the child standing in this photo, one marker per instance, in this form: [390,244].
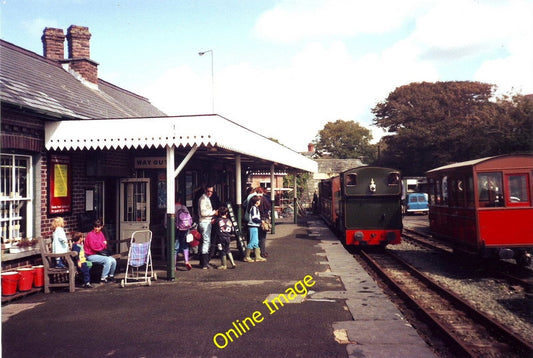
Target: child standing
[59,240]
[253,228]
[223,227]
[81,260]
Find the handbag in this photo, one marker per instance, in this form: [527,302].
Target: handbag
[266,225]
[104,252]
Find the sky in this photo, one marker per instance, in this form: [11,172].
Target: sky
[285,68]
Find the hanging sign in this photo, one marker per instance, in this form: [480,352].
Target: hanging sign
[150,162]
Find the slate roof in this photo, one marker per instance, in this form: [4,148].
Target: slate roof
[34,82]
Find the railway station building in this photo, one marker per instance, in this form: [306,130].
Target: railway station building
[76,146]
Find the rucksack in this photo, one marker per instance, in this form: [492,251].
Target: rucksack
[184,221]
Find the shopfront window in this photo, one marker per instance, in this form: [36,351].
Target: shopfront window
[15,197]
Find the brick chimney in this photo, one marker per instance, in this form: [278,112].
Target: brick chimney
[79,53]
[53,43]
[311,147]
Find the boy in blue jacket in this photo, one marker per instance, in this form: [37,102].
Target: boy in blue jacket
[81,260]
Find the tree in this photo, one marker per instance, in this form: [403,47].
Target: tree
[345,139]
[433,124]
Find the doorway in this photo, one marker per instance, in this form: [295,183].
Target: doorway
[134,208]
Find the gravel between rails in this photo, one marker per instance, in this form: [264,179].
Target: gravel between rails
[496,297]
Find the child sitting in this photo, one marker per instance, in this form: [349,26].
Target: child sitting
[81,260]
[223,227]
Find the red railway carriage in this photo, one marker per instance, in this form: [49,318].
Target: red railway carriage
[363,205]
[485,206]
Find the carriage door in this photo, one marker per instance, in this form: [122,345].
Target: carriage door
[134,208]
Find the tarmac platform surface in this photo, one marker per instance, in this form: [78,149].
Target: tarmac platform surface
[203,312]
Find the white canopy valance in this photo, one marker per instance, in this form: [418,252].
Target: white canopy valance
[180,131]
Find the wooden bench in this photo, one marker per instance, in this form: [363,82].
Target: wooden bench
[56,276]
[66,277]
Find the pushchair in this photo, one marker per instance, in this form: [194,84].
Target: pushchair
[139,255]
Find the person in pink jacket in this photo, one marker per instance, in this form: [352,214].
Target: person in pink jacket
[96,252]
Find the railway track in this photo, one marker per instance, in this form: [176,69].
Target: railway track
[502,269]
[470,332]
[425,240]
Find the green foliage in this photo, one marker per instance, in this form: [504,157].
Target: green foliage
[439,123]
[344,140]
[301,182]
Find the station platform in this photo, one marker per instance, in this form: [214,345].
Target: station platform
[310,299]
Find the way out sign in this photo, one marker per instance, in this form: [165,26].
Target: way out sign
[150,162]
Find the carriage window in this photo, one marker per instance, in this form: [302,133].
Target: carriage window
[459,192]
[490,189]
[437,192]
[444,187]
[469,192]
[518,189]
[394,178]
[351,179]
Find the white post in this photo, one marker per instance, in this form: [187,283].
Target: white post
[171,214]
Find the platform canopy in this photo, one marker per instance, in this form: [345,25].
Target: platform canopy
[218,136]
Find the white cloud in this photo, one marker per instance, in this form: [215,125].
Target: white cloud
[292,20]
[180,91]
[328,80]
[458,28]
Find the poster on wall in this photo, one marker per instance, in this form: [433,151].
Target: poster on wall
[59,184]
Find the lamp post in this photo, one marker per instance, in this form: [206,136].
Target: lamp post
[201,53]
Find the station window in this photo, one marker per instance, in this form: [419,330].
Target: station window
[518,193]
[15,197]
[490,189]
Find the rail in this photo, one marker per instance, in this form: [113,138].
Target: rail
[471,332]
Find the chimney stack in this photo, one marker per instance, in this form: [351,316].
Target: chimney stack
[53,43]
[79,53]
[311,147]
